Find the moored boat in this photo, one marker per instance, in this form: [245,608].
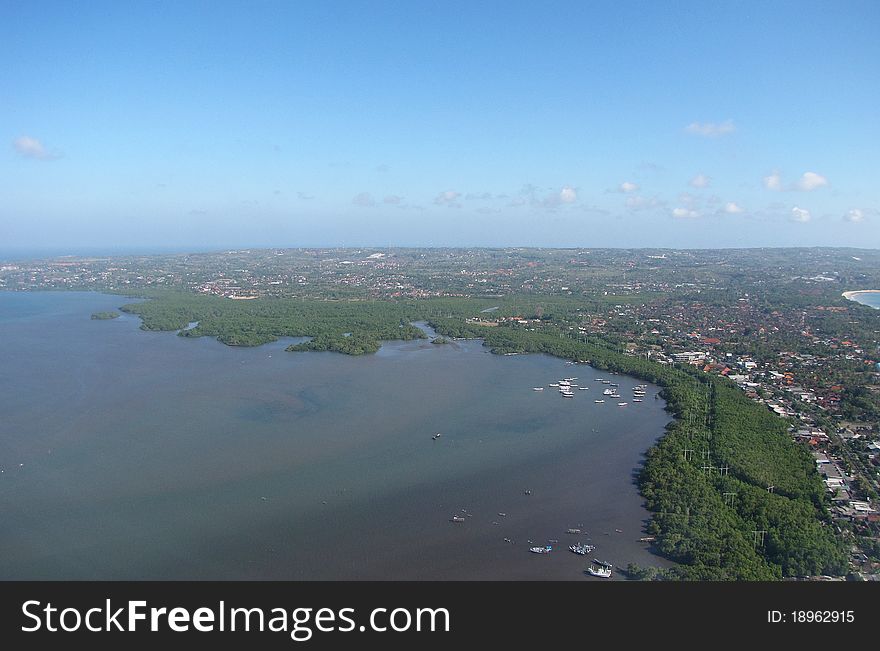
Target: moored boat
[582,549]
[600,569]
[541,550]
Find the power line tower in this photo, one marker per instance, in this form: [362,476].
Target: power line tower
[759,537]
[771,488]
[688,453]
[729,498]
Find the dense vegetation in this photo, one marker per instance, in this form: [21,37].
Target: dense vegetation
[706,481]
[104,316]
[251,323]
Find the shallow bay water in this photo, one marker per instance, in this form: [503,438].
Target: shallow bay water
[141,455]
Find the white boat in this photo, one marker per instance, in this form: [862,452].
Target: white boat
[537,388]
[541,550]
[608,392]
[436,436]
[622,404]
[637,400]
[600,569]
[456,518]
[554,384]
[583,388]
[581,549]
[598,401]
[568,395]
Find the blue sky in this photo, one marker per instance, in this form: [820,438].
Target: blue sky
[215,124]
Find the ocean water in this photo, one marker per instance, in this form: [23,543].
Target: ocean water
[868,298]
[140,455]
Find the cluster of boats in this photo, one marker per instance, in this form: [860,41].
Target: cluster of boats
[566,387]
[582,549]
[597,568]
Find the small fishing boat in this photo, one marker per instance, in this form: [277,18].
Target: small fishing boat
[537,388]
[436,436]
[456,518]
[600,569]
[541,550]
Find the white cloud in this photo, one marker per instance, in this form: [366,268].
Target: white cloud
[684,212]
[732,208]
[628,186]
[32,148]
[855,216]
[567,194]
[700,181]
[810,181]
[710,129]
[448,198]
[773,181]
[364,199]
[801,215]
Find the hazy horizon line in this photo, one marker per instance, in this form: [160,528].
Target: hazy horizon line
[19,254]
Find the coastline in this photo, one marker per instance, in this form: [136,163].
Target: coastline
[850,295]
